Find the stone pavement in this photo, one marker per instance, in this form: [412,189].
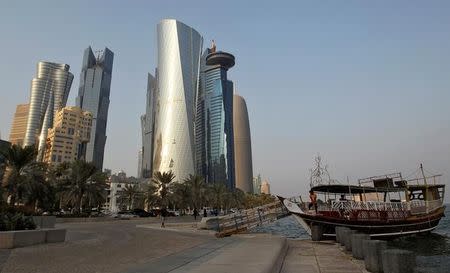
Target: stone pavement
[306,256]
[100,247]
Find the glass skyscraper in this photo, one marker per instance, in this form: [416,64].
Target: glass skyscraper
[93,96]
[49,92]
[179,50]
[214,121]
[147,127]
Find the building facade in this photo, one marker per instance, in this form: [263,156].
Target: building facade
[93,96]
[66,141]
[49,92]
[19,125]
[242,145]
[257,184]
[214,120]
[145,168]
[265,187]
[179,50]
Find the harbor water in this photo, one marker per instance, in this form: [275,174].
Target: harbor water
[432,249]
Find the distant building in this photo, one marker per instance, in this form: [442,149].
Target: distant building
[93,96]
[49,92]
[214,120]
[257,184]
[19,125]
[179,50]
[117,182]
[147,128]
[242,145]
[265,187]
[67,139]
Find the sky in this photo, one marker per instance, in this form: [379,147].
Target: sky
[365,84]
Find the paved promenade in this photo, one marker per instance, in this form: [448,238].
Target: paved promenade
[141,246]
[101,247]
[306,256]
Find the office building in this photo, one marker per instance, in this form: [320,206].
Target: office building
[49,92]
[93,96]
[214,120]
[19,125]
[147,127]
[179,50]
[257,184]
[265,187]
[66,141]
[242,145]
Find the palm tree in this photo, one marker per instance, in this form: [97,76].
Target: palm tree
[163,182]
[197,188]
[129,194]
[83,180]
[150,195]
[181,195]
[19,168]
[217,195]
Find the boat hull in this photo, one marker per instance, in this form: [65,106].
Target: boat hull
[375,228]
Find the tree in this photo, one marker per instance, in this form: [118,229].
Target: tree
[217,195]
[181,195]
[129,194]
[84,180]
[19,170]
[163,181]
[196,185]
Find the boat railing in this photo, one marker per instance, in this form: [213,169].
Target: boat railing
[369,205]
[422,206]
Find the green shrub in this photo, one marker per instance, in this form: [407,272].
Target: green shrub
[16,221]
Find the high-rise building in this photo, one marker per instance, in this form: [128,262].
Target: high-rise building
[147,127]
[19,125]
[257,184]
[265,187]
[93,96]
[242,145]
[179,50]
[49,92]
[214,120]
[67,139]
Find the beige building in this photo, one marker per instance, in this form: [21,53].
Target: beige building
[19,125]
[67,140]
[242,145]
[265,187]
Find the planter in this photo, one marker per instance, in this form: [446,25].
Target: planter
[21,238]
[44,221]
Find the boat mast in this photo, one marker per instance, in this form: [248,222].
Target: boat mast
[423,174]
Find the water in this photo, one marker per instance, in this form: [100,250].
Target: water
[432,250]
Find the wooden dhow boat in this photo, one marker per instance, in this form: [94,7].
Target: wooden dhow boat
[381,206]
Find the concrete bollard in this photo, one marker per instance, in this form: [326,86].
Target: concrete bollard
[398,261]
[357,245]
[338,233]
[372,255]
[343,235]
[316,232]
[348,239]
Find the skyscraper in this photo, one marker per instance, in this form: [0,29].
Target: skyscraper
[49,92]
[93,96]
[19,125]
[67,139]
[242,145]
[147,127]
[214,121]
[179,50]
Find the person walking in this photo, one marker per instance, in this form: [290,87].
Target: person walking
[163,217]
[195,213]
[205,214]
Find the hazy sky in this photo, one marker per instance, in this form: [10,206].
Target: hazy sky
[364,83]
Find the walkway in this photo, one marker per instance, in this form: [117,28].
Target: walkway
[306,256]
